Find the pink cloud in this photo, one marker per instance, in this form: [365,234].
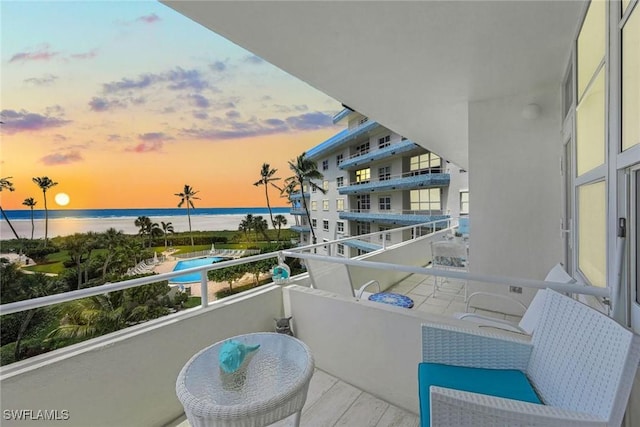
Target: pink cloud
[149,19]
[41,54]
[86,55]
[148,146]
[61,158]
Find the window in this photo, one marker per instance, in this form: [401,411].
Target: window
[385,236]
[429,162]
[384,203]
[363,228]
[325,165]
[631,80]
[339,205]
[339,159]
[362,149]
[464,202]
[314,205]
[385,141]
[325,205]
[314,222]
[591,141]
[325,185]
[592,232]
[427,199]
[340,227]
[363,176]
[340,249]
[313,188]
[364,202]
[384,173]
[325,225]
[340,181]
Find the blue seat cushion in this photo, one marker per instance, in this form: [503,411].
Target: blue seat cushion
[506,383]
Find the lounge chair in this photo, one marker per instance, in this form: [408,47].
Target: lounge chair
[577,370]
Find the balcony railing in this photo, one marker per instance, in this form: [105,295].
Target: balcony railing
[371,155]
[135,369]
[408,180]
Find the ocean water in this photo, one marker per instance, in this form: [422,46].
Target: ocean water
[63,222]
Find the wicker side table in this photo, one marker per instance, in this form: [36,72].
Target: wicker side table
[271,385]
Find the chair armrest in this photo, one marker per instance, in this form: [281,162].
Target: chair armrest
[492,295]
[477,349]
[490,322]
[365,286]
[458,408]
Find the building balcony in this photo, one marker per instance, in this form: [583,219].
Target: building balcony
[134,370]
[298,196]
[297,211]
[344,137]
[300,228]
[394,217]
[358,160]
[407,181]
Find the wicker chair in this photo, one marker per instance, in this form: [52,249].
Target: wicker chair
[577,370]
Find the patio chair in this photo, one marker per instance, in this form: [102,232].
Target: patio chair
[577,370]
[447,255]
[334,277]
[531,314]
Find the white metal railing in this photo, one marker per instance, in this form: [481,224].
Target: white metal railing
[414,212]
[525,283]
[132,283]
[15,307]
[302,253]
[389,177]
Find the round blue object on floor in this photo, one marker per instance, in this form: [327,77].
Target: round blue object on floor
[394,299]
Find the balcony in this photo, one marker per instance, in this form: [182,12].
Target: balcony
[298,195]
[301,228]
[406,181]
[135,369]
[358,160]
[393,217]
[341,138]
[297,211]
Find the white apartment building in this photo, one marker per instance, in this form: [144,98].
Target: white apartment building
[375,179]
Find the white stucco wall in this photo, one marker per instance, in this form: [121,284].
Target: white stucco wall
[128,378]
[375,347]
[515,187]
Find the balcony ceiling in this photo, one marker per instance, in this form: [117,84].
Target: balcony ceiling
[411,66]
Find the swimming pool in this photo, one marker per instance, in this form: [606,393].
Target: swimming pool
[193,277]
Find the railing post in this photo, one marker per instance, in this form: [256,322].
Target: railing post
[204,295]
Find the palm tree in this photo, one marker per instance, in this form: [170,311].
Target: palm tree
[148,228]
[260,226]
[279,221]
[246,225]
[187,196]
[304,170]
[266,178]
[45,183]
[31,203]
[111,240]
[167,228]
[5,184]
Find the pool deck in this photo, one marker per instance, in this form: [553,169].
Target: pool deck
[213,287]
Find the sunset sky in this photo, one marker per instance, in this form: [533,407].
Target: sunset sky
[122,103]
